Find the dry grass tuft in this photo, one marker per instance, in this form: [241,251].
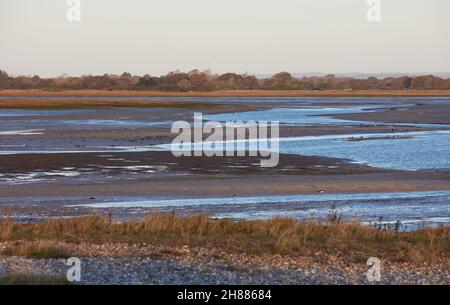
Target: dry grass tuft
[276,236]
[40,250]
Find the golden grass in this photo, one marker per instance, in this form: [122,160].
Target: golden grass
[39,249]
[29,279]
[277,236]
[230,93]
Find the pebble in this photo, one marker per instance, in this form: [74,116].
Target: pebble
[147,264]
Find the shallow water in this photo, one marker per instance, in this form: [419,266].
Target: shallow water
[413,209]
[422,150]
[14,119]
[314,116]
[45,124]
[409,151]
[305,116]
[300,111]
[418,150]
[21,132]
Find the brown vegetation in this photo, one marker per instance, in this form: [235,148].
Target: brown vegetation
[351,241]
[208,82]
[38,249]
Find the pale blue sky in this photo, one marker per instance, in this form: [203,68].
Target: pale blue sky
[254,36]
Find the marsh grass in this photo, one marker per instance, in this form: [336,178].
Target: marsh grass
[284,236]
[39,249]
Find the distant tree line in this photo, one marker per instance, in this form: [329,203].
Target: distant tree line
[207,81]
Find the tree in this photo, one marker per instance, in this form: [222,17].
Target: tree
[407,83]
[146,81]
[281,81]
[4,77]
[196,80]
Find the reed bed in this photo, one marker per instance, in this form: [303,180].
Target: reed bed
[276,236]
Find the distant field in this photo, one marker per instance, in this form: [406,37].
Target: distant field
[234,93]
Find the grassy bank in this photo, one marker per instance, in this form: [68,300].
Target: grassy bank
[38,249]
[354,242]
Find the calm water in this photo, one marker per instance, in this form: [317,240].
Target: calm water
[305,116]
[12,119]
[413,209]
[420,150]
[427,150]
[417,150]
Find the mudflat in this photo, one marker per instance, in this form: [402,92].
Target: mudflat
[87,163]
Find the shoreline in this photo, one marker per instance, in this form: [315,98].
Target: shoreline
[200,250]
[235,93]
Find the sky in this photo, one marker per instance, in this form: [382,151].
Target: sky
[242,36]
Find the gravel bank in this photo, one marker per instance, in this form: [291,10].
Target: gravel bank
[144,264]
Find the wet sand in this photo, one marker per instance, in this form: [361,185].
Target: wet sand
[204,186]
